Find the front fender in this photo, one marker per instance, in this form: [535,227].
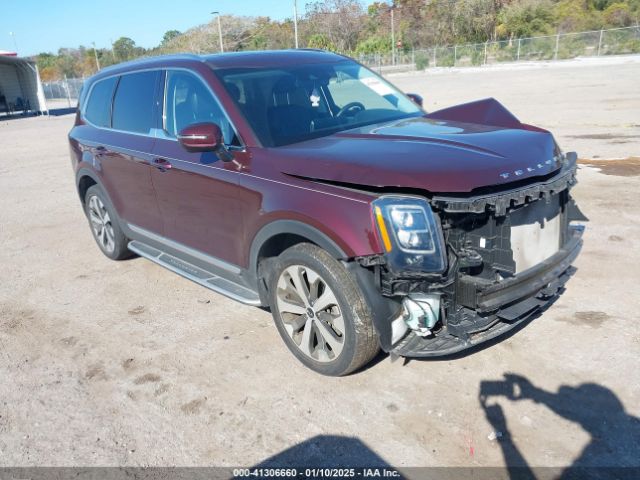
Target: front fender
[294,227]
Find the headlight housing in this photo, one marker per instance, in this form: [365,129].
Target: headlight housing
[410,233]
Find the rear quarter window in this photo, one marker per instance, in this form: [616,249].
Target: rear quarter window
[98,110]
[133,106]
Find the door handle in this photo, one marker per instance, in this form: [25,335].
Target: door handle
[161,164]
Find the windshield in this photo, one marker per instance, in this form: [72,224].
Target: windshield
[290,104]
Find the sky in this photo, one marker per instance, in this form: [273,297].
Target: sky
[46,25]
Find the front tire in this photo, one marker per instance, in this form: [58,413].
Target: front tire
[105,225]
[320,311]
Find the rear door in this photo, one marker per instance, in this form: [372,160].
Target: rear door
[197,192]
[126,154]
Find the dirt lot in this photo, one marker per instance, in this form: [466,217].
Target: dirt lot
[590,104]
[106,363]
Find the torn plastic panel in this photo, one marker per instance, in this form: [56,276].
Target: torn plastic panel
[498,203]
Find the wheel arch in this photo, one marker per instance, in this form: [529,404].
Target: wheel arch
[85,179]
[277,236]
[383,308]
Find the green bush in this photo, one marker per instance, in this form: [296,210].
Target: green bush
[374,44]
[445,57]
[422,60]
[477,56]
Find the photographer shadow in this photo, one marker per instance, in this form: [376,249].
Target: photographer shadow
[614,434]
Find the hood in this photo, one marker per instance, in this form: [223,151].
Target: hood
[438,155]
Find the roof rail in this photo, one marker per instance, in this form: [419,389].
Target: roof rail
[143,60]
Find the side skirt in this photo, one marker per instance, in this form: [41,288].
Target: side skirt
[196,274]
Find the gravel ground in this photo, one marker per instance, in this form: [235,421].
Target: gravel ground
[591,105]
[124,363]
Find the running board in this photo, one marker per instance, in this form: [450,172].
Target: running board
[206,279]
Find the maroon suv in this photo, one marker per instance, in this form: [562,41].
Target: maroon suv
[303,182]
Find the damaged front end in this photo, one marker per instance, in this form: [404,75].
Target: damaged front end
[496,257]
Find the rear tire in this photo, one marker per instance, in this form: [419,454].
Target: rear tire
[105,225]
[320,312]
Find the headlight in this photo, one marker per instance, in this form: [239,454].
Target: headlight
[410,233]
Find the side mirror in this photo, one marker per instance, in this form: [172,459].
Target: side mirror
[205,137]
[417,99]
[201,137]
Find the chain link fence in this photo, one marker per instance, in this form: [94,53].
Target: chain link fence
[563,46]
[61,91]
[617,41]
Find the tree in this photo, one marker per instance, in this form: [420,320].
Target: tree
[124,48]
[341,21]
[474,21]
[169,37]
[525,18]
[618,15]
[318,40]
[600,5]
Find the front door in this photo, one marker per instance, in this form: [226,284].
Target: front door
[197,192]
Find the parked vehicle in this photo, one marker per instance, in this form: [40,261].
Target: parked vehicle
[303,182]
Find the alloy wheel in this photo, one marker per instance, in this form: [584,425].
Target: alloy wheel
[310,313]
[101,224]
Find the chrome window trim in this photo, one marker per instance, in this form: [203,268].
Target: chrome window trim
[240,147]
[83,107]
[153,132]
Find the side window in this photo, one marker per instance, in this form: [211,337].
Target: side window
[98,109]
[189,101]
[133,106]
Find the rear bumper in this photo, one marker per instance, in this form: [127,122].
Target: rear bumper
[488,311]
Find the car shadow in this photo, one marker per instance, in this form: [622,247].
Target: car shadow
[326,451]
[613,448]
[54,112]
[58,112]
[15,116]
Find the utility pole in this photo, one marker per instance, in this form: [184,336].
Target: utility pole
[219,31]
[66,82]
[95,52]
[15,44]
[600,43]
[393,38]
[295,20]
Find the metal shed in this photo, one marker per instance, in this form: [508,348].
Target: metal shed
[20,87]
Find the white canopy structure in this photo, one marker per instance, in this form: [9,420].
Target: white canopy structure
[20,86]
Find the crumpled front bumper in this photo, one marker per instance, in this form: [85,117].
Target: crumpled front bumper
[491,311]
